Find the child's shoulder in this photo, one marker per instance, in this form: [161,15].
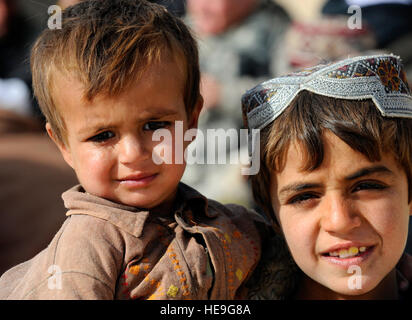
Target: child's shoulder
[67,267]
[87,252]
[276,275]
[216,210]
[237,214]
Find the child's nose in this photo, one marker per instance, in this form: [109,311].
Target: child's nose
[132,149]
[339,216]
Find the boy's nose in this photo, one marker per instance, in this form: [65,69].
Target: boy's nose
[339,216]
[132,150]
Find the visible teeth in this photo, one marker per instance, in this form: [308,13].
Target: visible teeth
[343,253]
[353,251]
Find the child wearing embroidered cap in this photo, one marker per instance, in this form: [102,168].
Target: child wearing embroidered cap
[336,175]
[117,71]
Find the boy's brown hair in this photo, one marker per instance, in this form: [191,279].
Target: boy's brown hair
[106,45]
[357,122]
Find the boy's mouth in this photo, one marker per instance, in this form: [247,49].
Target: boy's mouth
[347,255]
[140,180]
[347,252]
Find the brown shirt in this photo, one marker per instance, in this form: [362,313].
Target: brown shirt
[105,250]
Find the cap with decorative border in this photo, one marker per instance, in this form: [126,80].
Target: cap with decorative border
[377,77]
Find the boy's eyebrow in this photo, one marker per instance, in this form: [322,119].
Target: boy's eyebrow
[160,112]
[296,187]
[368,171]
[154,114]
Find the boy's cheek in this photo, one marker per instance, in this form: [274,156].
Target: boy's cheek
[97,158]
[295,231]
[93,165]
[67,157]
[163,153]
[386,216]
[170,151]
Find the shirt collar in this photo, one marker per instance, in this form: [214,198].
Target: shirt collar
[127,218]
[190,199]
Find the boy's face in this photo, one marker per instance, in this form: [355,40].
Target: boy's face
[109,140]
[348,203]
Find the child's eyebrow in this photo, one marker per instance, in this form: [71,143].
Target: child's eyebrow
[368,171]
[296,187]
[98,125]
[157,113]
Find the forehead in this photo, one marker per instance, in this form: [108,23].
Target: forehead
[159,87]
[160,59]
[339,161]
[65,83]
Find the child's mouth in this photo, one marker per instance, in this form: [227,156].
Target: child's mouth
[347,253]
[138,181]
[346,257]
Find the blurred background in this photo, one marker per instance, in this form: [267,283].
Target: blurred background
[241,42]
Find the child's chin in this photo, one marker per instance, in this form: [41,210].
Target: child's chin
[138,203]
[131,199]
[353,293]
[352,288]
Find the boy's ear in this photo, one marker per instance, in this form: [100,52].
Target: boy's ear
[62,147]
[194,117]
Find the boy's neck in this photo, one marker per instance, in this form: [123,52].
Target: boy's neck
[309,289]
[167,206]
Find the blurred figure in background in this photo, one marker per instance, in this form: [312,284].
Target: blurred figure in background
[32,172]
[314,37]
[326,33]
[236,42]
[16,36]
[389,21]
[177,7]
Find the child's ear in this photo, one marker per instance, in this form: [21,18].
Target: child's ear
[62,147]
[194,117]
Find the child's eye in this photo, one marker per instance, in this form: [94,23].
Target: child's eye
[301,198]
[369,185]
[101,137]
[154,125]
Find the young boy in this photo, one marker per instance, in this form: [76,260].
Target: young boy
[117,71]
[336,176]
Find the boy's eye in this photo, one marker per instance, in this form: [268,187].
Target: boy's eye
[101,137]
[154,125]
[369,185]
[301,198]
